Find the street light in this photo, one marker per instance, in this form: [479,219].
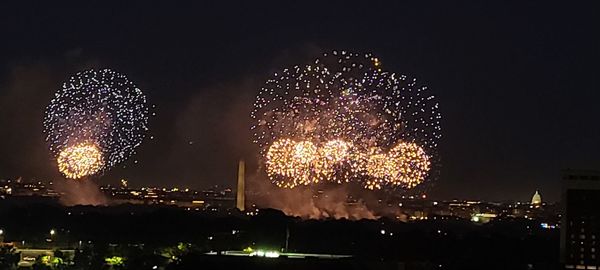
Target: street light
[52,232]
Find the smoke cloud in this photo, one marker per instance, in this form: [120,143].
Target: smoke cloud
[80,192]
[308,203]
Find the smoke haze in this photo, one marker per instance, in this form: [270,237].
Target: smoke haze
[80,192]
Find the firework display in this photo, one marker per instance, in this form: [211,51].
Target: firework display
[80,160]
[94,122]
[406,165]
[289,162]
[343,118]
[331,157]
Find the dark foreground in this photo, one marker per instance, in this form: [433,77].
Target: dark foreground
[151,237]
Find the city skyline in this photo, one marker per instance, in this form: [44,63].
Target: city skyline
[518,102]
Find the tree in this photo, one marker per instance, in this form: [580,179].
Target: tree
[43,262]
[82,259]
[9,258]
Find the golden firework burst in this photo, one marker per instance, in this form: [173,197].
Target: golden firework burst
[405,165]
[80,160]
[333,153]
[288,162]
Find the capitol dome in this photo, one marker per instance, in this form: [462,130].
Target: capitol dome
[537,198]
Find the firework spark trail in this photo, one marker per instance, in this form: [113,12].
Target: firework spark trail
[94,122]
[365,124]
[406,165]
[80,160]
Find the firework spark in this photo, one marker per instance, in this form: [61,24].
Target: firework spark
[406,165]
[97,112]
[288,162]
[362,120]
[80,160]
[331,157]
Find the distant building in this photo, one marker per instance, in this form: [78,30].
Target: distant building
[28,257]
[580,226]
[536,199]
[124,183]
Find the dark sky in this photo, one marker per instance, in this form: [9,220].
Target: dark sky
[517,83]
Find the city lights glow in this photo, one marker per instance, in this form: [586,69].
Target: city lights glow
[265,253]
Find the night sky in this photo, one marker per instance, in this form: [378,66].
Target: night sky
[517,83]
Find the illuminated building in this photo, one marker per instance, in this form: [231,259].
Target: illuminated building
[241,196]
[22,188]
[124,184]
[536,199]
[28,256]
[483,217]
[580,226]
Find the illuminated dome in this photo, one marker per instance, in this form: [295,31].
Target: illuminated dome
[537,198]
